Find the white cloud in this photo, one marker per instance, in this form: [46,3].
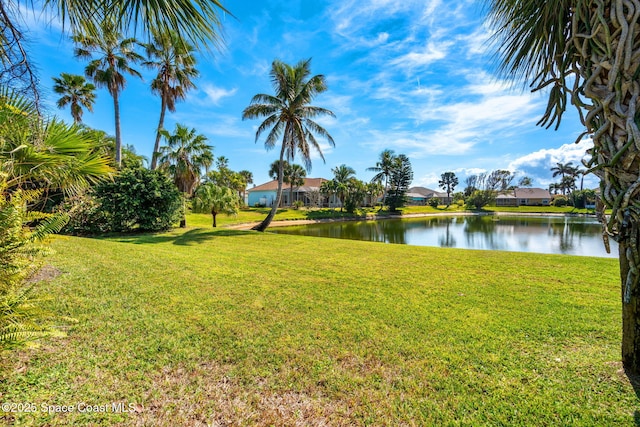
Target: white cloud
[430,53]
[539,163]
[215,94]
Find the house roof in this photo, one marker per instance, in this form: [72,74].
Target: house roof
[425,192]
[532,193]
[309,184]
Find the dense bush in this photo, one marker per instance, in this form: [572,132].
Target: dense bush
[85,215]
[434,202]
[138,199]
[480,199]
[560,201]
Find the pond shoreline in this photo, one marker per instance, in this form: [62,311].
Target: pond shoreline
[293,222]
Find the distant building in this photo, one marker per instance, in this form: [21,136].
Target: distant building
[524,197]
[265,194]
[421,195]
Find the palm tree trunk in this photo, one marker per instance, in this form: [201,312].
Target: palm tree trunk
[272,213]
[183,220]
[116,110]
[156,146]
[384,193]
[630,310]
[291,194]
[214,214]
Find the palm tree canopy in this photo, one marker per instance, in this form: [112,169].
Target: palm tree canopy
[288,113]
[184,156]
[174,60]
[75,91]
[383,166]
[295,176]
[211,198]
[343,173]
[115,53]
[197,21]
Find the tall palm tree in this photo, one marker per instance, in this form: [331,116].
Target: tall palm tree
[295,178]
[341,176]
[184,157]
[247,177]
[383,167]
[563,170]
[587,51]
[175,63]
[116,56]
[76,92]
[288,114]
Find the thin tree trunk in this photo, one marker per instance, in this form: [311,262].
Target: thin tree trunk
[384,193]
[156,146]
[291,195]
[116,109]
[183,221]
[214,214]
[265,223]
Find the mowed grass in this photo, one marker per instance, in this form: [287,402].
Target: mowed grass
[202,327]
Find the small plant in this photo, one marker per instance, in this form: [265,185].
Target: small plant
[433,202]
[298,204]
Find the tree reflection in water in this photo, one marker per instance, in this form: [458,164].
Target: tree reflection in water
[545,234]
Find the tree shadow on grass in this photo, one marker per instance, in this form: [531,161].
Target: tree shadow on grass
[634,379]
[188,238]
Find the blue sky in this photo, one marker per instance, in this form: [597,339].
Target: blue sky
[413,76]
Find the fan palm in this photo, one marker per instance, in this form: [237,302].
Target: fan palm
[383,167]
[76,92]
[116,55]
[585,52]
[175,62]
[295,178]
[184,157]
[49,154]
[289,115]
[341,176]
[210,198]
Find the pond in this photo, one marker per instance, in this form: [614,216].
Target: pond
[541,234]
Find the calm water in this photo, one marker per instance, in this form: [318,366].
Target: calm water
[543,234]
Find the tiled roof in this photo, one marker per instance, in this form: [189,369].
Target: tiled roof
[309,184]
[532,193]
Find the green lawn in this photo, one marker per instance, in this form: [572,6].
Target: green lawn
[224,327]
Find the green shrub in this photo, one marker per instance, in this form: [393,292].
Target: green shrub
[560,201]
[298,204]
[85,215]
[433,202]
[480,198]
[139,199]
